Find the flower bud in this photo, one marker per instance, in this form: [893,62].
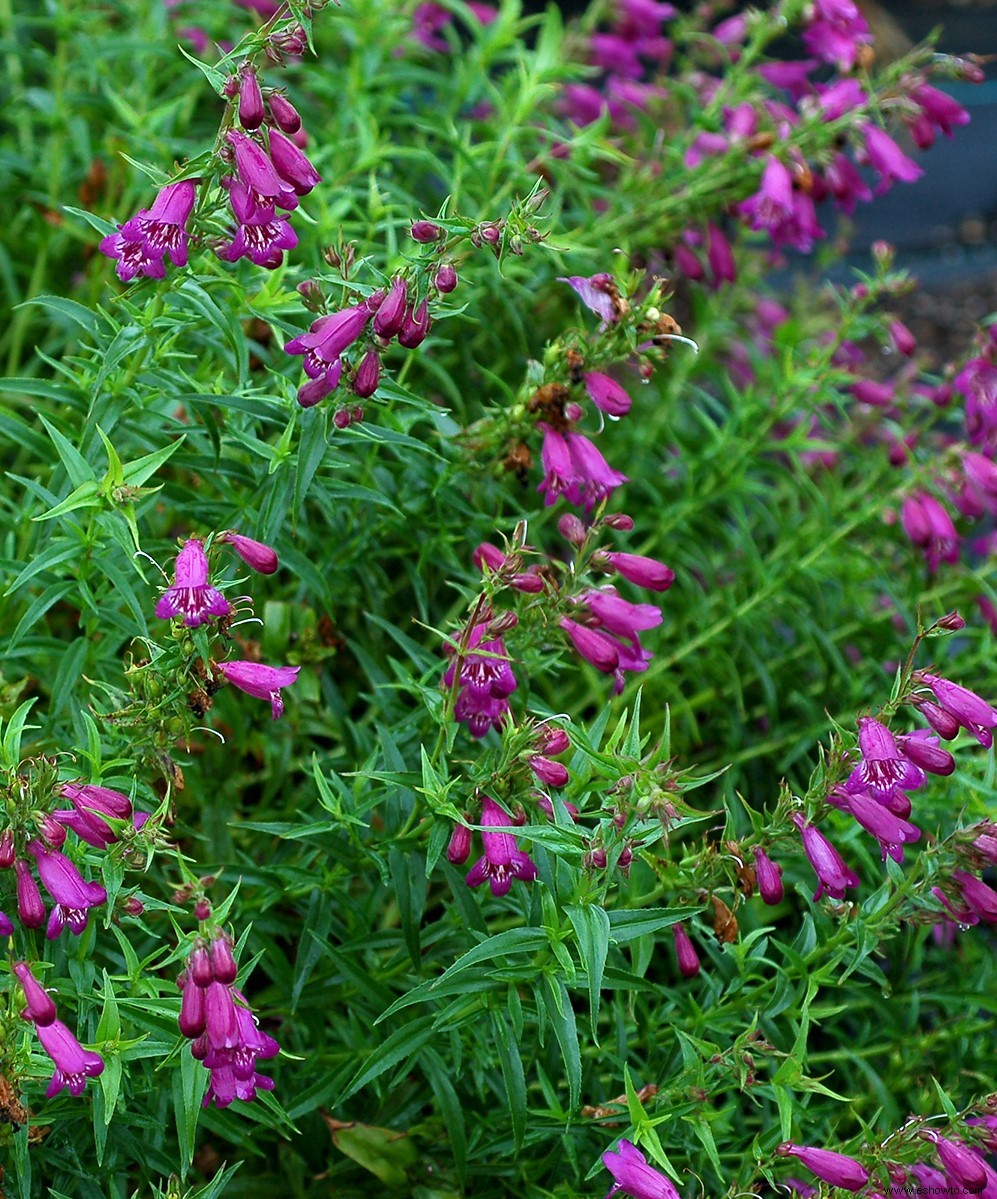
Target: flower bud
[459,849]
[284,114]
[223,965]
[251,111]
[425,231]
[445,279]
[368,375]
[390,315]
[768,876]
[571,528]
[7,852]
[415,326]
[685,952]
[199,966]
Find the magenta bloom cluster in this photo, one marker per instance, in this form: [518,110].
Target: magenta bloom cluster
[90,808]
[225,1035]
[73,1064]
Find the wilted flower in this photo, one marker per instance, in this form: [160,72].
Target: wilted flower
[502,861]
[264,682]
[191,595]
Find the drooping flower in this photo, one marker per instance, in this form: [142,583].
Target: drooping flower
[191,595]
[263,682]
[291,164]
[645,572]
[979,898]
[559,471]
[837,1169]
[73,895]
[887,159]
[890,830]
[483,674]
[73,1064]
[596,478]
[256,554]
[833,876]
[928,524]
[30,905]
[265,188]
[503,861]
[633,1176]
[961,1164]
[328,337]
[233,1068]
[142,243]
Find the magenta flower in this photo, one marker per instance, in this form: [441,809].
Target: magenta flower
[328,337]
[922,748]
[142,243]
[39,1006]
[928,524]
[315,390]
[890,830]
[390,314]
[596,647]
[960,1163]
[833,876]
[73,895]
[90,805]
[685,952]
[285,115]
[559,471]
[459,846]
[607,395]
[291,164]
[191,595]
[844,182]
[260,235]
[233,1068]
[73,1064]
[972,712]
[835,31]
[251,110]
[977,384]
[415,325]
[256,554]
[483,675]
[645,572]
[772,205]
[884,766]
[768,875]
[887,159]
[502,861]
[979,898]
[593,474]
[551,774]
[633,1176]
[834,1168]
[6,925]
[597,292]
[265,187]
[938,111]
[619,616]
[263,682]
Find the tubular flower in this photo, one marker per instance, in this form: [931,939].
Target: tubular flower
[328,337]
[73,1064]
[884,766]
[837,1169]
[599,294]
[483,675]
[595,477]
[887,159]
[73,895]
[685,952]
[835,31]
[30,905]
[291,164]
[256,554]
[502,861]
[833,876]
[265,187]
[645,572]
[633,1176]
[142,243]
[890,830]
[607,395]
[191,595]
[260,235]
[768,875]
[980,899]
[263,682]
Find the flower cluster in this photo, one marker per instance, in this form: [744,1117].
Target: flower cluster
[225,1035]
[73,1064]
[271,172]
[192,598]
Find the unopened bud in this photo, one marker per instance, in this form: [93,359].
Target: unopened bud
[425,231]
[251,110]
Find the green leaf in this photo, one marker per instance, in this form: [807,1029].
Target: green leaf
[592,931]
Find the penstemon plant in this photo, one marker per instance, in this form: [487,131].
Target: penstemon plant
[436,456]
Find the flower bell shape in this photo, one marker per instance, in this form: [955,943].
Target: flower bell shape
[260,235]
[263,682]
[233,1068]
[265,187]
[39,1006]
[836,1169]
[598,480]
[833,876]
[256,554]
[884,766]
[980,899]
[291,164]
[835,32]
[890,830]
[599,294]
[485,680]
[502,861]
[142,243]
[191,596]
[962,1166]
[73,1064]
[328,337]
[73,895]
[633,1176]
[90,805]
[644,572]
